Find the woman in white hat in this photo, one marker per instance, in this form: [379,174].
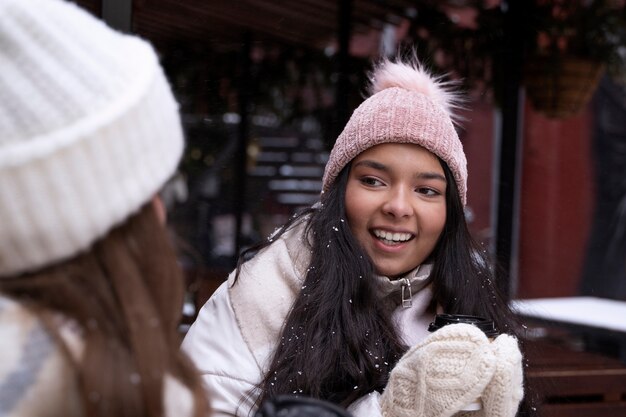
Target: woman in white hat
[90,289]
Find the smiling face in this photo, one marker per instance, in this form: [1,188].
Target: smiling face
[396,206]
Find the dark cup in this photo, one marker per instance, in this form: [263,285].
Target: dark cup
[487,326]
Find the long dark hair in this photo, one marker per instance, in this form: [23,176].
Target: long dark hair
[338,342]
[463,273]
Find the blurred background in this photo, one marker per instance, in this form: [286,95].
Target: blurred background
[266,86]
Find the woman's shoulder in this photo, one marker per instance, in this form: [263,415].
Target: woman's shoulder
[297,242]
[18,320]
[288,250]
[296,231]
[214,329]
[15,320]
[25,342]
[34,370]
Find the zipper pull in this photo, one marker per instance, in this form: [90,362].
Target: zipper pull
[406,293]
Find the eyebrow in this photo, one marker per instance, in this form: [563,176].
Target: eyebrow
[431,176]
[385,168]
[373,164]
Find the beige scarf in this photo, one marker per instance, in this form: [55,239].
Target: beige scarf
[270,282]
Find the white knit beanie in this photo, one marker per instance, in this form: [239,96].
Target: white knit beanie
[89,131]
[407,105]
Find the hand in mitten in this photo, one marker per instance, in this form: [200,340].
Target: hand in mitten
[440,375]
[505,390]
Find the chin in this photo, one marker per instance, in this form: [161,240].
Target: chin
[392,273]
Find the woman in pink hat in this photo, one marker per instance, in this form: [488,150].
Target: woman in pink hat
[336,304]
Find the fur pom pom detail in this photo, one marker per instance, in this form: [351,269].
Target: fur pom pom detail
[412,76]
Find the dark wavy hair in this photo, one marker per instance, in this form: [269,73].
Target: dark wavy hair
[339,342]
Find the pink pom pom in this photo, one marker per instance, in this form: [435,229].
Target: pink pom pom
[412,76]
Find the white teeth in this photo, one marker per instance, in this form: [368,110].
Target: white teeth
[393,237]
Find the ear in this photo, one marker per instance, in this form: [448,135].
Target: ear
[159,209]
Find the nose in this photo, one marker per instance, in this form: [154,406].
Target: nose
[397,203]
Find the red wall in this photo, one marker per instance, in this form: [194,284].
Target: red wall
[556,204]
[477,138]
[556,195]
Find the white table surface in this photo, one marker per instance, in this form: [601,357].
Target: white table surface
[587,311]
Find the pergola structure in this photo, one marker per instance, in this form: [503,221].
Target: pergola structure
[321,24]
[311,23]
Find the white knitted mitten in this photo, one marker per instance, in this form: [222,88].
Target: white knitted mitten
[505,390]
[440,375]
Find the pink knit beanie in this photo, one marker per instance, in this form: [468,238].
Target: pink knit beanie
[406,105]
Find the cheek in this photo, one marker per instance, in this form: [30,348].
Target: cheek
[356,212]
[352,216]
[352,204]
[437,221]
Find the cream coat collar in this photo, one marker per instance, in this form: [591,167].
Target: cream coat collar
[270,282]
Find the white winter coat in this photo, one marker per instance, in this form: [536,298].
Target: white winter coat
[236,331]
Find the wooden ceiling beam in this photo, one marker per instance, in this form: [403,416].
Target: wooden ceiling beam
[311,23]
[188,17]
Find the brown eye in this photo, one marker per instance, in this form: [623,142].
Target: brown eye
[371,181]
[428,191]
